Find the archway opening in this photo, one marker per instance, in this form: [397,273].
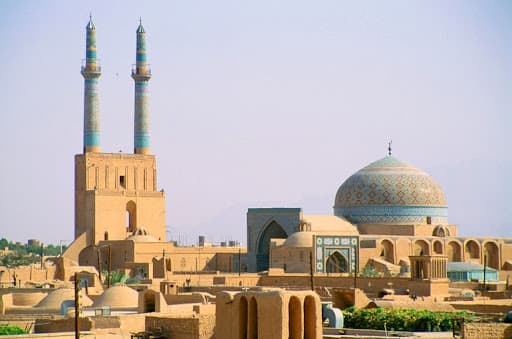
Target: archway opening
[294,318]
[454,251]
[310,318]
[387,251]
[438,247]
[242,319]
[492,255]
[472,250]
[336,263]
[273,230]
[421,248]
[149,302]
[253,319]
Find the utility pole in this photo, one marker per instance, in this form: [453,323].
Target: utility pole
[485,271]
[164,264]
[60,244]
[42,254]
[311,271]
[99,264]
[109,265]
[77,306]
[239,261]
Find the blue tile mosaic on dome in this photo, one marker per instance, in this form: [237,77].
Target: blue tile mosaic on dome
[389,190]
[390,182]
[399,214]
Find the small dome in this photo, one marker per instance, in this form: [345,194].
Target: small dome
[119,296]
[54,300]
[300,239]
[391,191]
[142,235]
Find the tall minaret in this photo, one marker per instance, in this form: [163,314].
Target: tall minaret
[91,71]
[141,73]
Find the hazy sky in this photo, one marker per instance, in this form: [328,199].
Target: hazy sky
[260,104]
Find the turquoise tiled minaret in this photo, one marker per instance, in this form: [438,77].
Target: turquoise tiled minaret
[91,71]
[141,73]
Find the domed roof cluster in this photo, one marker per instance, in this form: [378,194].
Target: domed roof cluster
[391,191]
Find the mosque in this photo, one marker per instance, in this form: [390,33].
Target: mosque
[390,219]
[384,214]
[389,216]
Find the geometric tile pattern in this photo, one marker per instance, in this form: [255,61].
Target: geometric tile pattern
[326,245]
[390,190]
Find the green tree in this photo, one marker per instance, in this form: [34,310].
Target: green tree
[10,329]
[370,272]
[4,243]
[118,277]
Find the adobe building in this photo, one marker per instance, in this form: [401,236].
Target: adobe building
[384,214]
[119,208]
[268,314]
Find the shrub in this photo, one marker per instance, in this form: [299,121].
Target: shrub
[9,329]
[402,320]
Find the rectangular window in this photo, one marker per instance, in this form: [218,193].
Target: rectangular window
[368,244]
[122,181]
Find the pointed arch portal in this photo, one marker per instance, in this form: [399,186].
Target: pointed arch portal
[273,230]
[336,263]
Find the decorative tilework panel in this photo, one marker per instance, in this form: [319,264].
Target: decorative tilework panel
[327,245]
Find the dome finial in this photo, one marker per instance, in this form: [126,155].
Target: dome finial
[389,147]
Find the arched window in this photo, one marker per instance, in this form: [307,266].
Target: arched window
[438,247]
[491,253]
[336,263]
[105,235]
[454,251]
[441,231]
[472,250]
[421,248]
[131,216]
[387,251]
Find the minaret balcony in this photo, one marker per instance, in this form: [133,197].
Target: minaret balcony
[91,69]
[141,71]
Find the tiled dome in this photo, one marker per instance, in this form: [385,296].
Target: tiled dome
[391,191]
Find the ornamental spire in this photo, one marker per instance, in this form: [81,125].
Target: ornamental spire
[389,147]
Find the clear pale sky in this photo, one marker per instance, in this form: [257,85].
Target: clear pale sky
[260,104]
